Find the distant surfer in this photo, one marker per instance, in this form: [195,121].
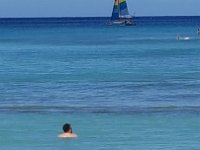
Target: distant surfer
[67,132]
[182,38]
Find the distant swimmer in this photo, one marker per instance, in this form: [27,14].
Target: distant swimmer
[198,32]
[178,37]
[67,132]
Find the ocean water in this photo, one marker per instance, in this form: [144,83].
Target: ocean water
[135,87]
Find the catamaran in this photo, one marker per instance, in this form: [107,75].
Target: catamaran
[120,14]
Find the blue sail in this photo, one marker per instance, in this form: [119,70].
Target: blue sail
[123,9]
[115,13]
[120,10]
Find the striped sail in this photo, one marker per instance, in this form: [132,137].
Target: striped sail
[120,10]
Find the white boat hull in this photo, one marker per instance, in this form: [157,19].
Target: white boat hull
[123,22]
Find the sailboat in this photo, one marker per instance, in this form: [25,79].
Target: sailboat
[120,14]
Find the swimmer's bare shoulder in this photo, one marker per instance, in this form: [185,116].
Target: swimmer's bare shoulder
[67,135]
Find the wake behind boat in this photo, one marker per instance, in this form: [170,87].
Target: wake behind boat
[120,14]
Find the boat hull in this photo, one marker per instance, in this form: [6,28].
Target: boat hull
[123,22]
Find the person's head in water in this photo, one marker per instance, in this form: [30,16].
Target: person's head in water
[67,128]
[67,132]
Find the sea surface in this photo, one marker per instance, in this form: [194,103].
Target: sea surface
[121,87]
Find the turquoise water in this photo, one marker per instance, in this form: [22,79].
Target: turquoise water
[120,87]
[146,131]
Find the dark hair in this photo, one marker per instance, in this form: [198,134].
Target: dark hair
[66,127]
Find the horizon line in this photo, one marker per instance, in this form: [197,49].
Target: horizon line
[48,17]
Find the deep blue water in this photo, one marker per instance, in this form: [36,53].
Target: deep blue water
[69,64]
